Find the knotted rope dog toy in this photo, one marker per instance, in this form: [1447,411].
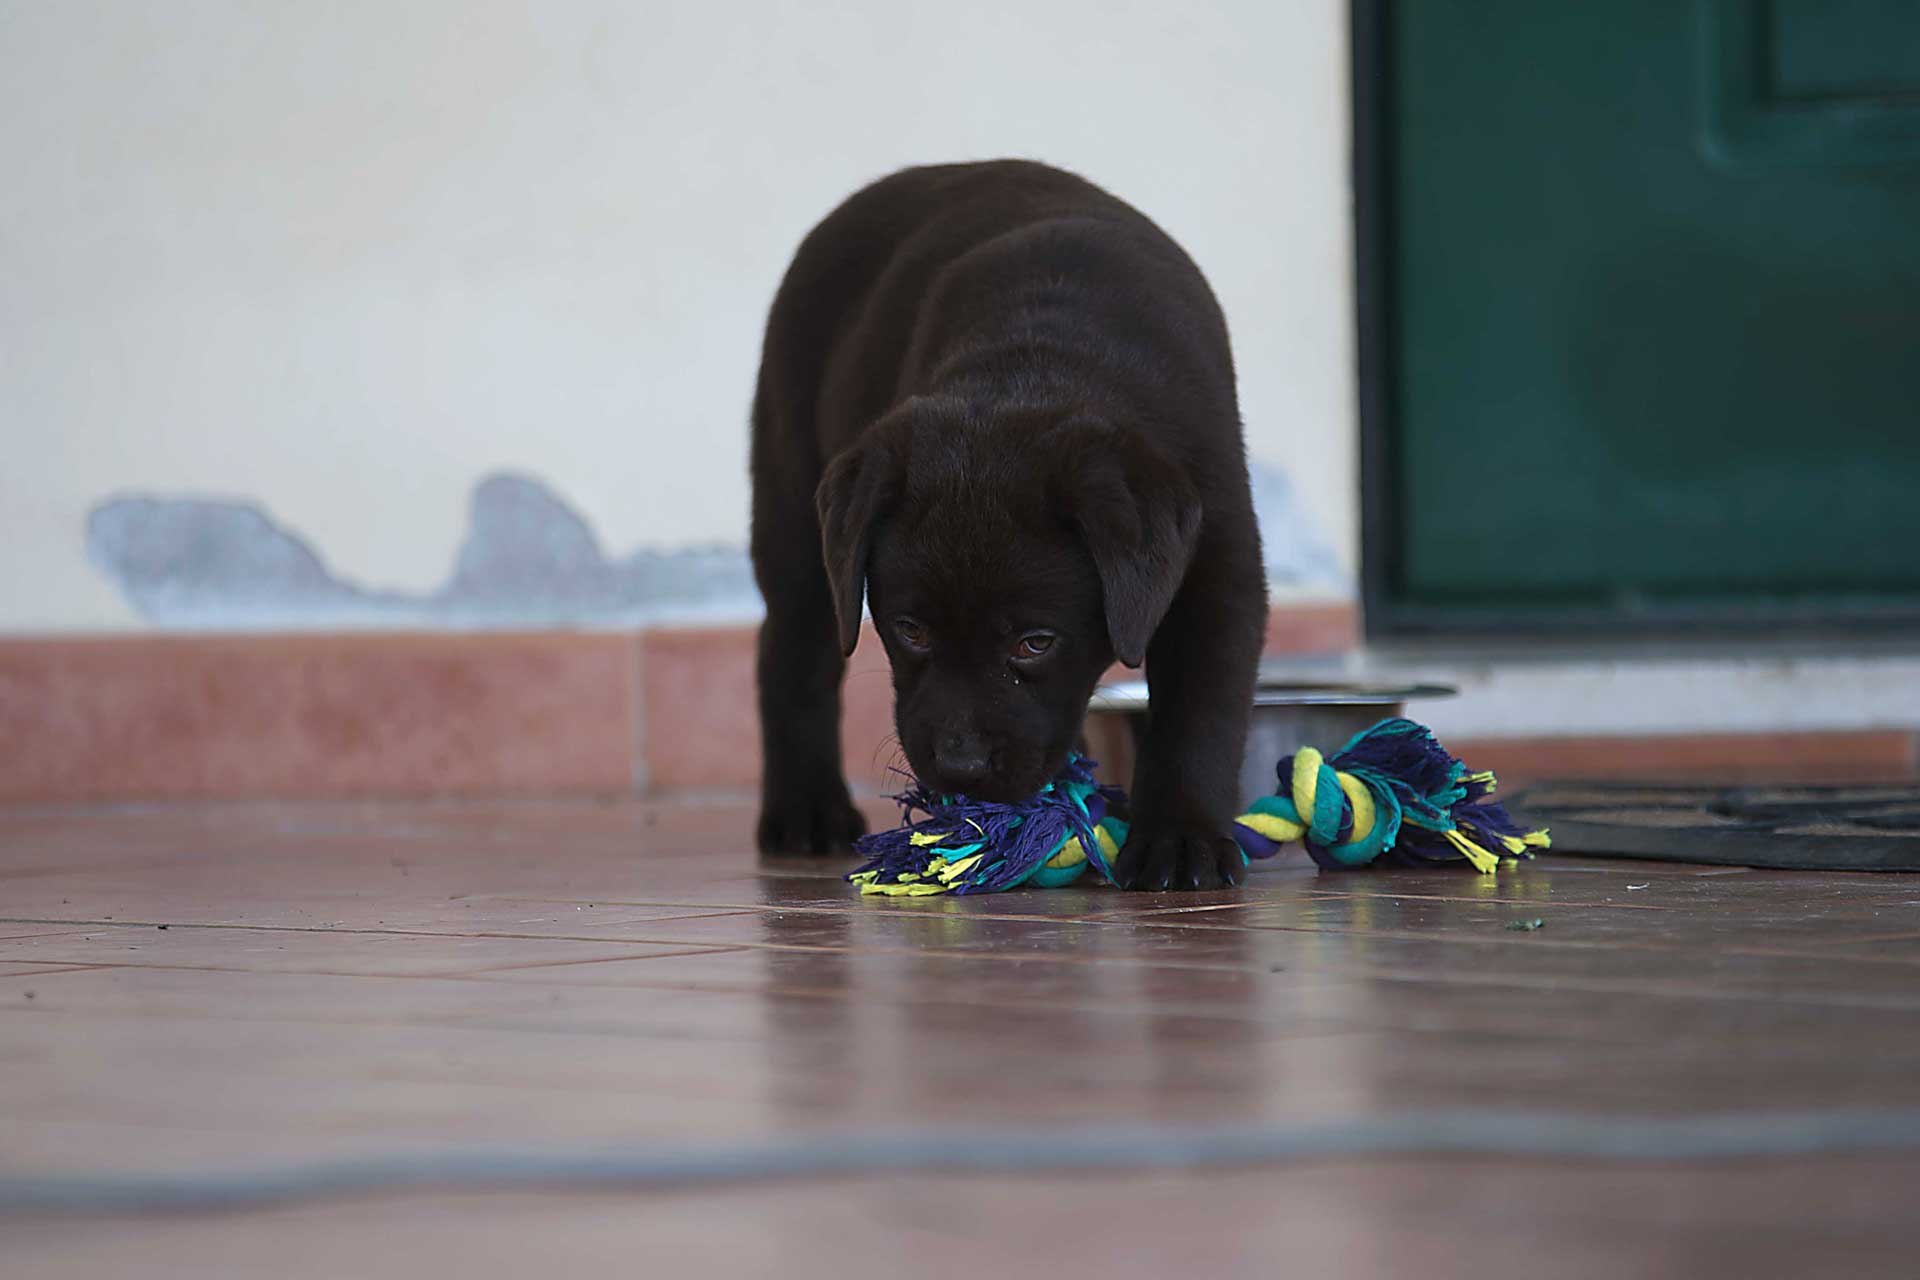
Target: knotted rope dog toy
[1393,795]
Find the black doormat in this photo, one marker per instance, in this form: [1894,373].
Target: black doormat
[1845,828]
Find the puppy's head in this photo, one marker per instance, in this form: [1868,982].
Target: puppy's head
[1007,563]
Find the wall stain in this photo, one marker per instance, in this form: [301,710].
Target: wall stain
[528,559]
[1297,554]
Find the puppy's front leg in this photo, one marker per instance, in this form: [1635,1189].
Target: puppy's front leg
[1201,668]
[804,805]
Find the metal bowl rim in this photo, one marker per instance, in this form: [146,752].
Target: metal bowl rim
[1131,695]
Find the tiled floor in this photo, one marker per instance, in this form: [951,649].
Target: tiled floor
[207,987]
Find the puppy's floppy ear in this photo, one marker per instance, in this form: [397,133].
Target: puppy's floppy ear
[858,488]
[1139,516]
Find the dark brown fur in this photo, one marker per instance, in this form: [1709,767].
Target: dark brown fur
[1000,403]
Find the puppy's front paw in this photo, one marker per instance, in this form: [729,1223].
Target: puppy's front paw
[1178,856]
[814,820]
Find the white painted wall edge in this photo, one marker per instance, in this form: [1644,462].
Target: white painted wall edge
[1656,696]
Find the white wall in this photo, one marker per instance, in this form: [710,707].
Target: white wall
[344,259]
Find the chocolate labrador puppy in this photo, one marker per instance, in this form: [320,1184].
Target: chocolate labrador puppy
[1000,403]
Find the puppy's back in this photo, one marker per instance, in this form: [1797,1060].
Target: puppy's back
[848,311]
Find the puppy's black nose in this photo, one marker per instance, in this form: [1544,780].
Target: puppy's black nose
[960,763]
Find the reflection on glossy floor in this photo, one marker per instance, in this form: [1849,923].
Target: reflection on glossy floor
[208,987]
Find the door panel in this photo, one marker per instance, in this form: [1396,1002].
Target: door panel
[1644,314]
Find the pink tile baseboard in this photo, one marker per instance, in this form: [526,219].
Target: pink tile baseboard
[142,717]
[203,716]
[1312,628]
[702,726]
[1854,755]
[698,722]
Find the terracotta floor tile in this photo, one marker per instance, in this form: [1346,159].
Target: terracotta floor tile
[343,981]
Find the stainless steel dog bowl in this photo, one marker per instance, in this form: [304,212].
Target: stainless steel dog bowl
[1287,715]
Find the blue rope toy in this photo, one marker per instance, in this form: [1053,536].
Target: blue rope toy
[1392,796]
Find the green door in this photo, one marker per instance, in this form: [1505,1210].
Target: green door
[1640,312]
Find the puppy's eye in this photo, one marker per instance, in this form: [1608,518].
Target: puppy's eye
[1034,644]
[911,633]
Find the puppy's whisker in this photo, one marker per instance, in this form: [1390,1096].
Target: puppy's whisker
[896,755]
[896,766]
